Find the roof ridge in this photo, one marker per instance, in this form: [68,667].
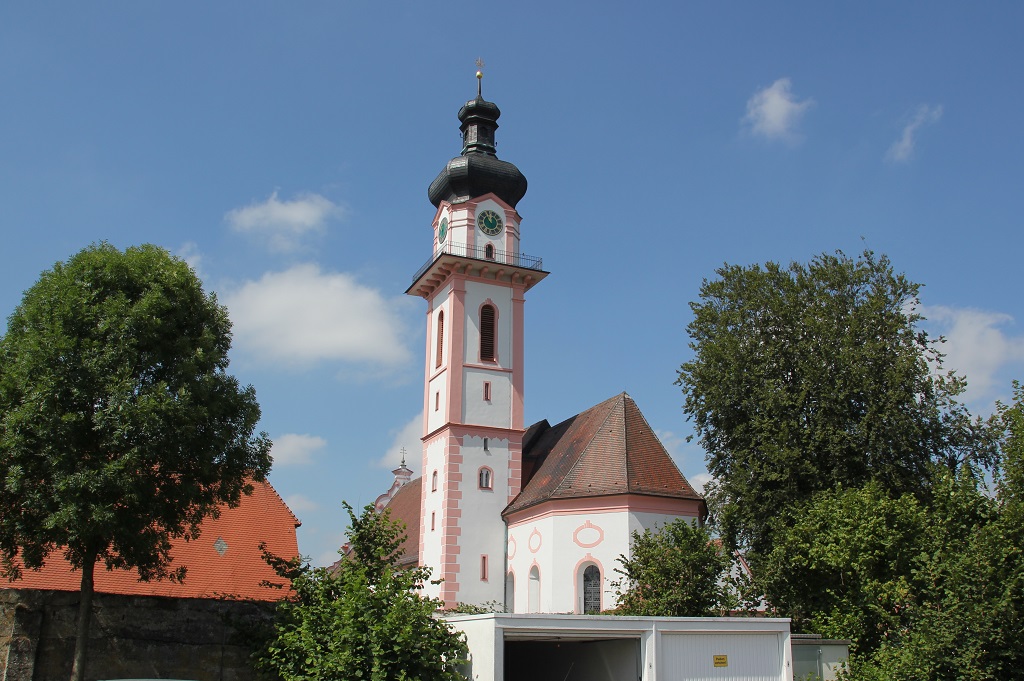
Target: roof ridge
[298,523]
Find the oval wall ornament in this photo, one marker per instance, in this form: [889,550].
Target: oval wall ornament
[588,535]
[535,541]
[511,548]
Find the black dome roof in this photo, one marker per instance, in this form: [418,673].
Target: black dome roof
[478,170]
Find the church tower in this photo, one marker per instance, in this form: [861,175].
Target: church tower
[474,284]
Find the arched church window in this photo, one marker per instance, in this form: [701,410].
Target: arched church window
[534,589]
[486,481]
[489,251]
[487,323]
[440,337]
[433,482]
[591,590]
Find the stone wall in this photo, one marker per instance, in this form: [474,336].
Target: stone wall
[141,637]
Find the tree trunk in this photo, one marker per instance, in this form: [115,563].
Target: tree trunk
[84,617]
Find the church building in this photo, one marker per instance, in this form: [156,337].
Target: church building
[528,518]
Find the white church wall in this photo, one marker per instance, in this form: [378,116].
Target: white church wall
[563,537]
[561,545]
[654,521]
[432,519]
[438,377]
[483,530]
[497,410]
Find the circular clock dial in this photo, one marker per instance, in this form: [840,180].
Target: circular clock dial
[489,222]
[442,231]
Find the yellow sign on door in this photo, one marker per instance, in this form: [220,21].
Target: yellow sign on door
[721,660]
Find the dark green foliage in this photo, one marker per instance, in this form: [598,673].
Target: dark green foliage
[674,572]
[364,618]
[813,376]
[969,620]
[844,568]
[119,426]
[931,592]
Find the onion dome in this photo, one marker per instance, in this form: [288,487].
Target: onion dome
[478,170]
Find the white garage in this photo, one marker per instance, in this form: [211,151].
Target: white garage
[507,647]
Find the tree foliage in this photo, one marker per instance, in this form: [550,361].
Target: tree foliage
[969,620]
[812,376]
[364,618]
[926,591]
[119,426]
[676,571]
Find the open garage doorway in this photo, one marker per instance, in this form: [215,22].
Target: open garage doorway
[606,659]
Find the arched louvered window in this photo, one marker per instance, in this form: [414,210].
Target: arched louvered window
[485,478]
[440,337]
[489,252]
[487,323]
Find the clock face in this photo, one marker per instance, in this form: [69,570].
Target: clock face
[442,231]
[489,222]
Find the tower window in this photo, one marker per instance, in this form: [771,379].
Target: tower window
[485,445]
[433,517]
[440,337]
[483,568]
[437,401]
[433,482]
[487,391]
[489,251]
[486,478]
[487,323]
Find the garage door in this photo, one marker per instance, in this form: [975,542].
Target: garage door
[720,657]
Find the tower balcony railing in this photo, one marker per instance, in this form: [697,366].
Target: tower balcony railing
[484,253]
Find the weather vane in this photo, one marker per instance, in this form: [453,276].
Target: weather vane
[479,75]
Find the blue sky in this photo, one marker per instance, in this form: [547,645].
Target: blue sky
[285,149]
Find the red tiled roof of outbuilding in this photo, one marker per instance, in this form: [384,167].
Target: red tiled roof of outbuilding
[225,561]
[607,449]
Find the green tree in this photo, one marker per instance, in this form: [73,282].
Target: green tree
[120,429]
[364,618]
[968,622]
[813,376]
[845,567]
[676,571]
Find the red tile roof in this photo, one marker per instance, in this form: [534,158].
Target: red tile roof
[405,507]
[224,561]
[607,449]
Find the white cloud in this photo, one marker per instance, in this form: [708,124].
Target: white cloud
[903,148]
[774,112]
[700,481]
[688,456]
[302,315]
[408,436]
[189,252]
[292,449]
[976,347]
[299,504]
[284,223]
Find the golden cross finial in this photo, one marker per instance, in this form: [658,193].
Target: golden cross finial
[479,75]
